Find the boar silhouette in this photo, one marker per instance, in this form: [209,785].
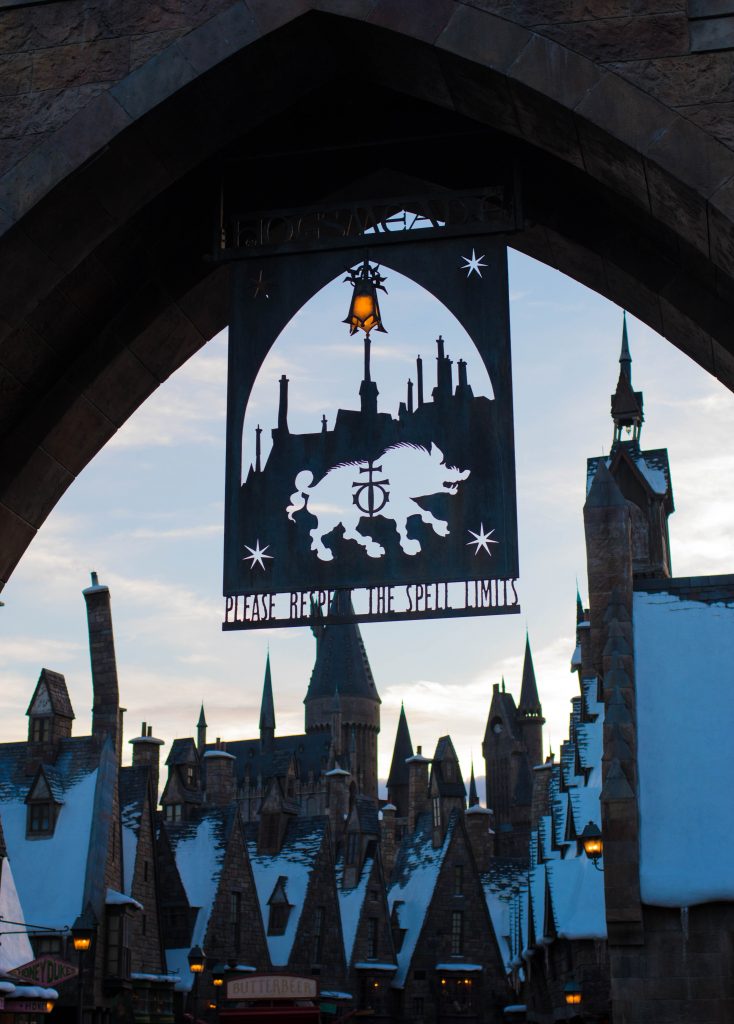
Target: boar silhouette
[402,473]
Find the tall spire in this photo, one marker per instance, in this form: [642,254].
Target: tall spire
[579,606]
[201,730]
[627,404]
[625,359]
[402,750]
[267,708]
[473,797]
[529,699]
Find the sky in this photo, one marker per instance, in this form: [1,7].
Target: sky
[147,515]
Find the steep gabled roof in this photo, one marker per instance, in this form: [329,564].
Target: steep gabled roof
[529,699]
[183,751]
[341,659]
[54,685]
[311,752]
[402,750]
[304,838]
[267,706]
[415,876]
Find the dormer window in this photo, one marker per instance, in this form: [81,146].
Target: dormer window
[41,818]
[173,812]
[280,908]
[40,730]
[42,808]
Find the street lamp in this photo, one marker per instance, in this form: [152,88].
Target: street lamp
[197,962]
[218,972]
[593,844]
[572,993]
[364,309]
[82,934]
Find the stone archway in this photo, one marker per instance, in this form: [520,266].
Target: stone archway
[107,216]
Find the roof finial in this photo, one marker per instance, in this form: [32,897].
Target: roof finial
[625,359]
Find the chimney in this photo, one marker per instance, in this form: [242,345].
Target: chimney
[220,778]
[106,711]
[388,835]
[283,405]
[410,396]
[417,786]
[478,821]
[146,751]
[419,376]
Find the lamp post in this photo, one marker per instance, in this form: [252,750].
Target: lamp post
[593,844]
[197,962]
[218,972]
[82,934]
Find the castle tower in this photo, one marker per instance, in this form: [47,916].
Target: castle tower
[398,779]
[267,711]
[342,663]
[643,477]
[530,712]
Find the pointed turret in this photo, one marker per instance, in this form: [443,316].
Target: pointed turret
[398,779]
[579,606]
[341,661]
[627,404]
[201,730]
[529,699]
[473,796]
[267,710]
[530,711]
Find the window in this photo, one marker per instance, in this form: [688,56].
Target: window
[145,870]
[47,944]
[457,996]
[458,880]
[117,963]
[190,775]
[318,935]
[449,769]
[457,933]
[436,812]
[173,812]
[372,938]
[278,919]
[41,818]
[352,840]
[40,730]
[235,917]
[418,1006]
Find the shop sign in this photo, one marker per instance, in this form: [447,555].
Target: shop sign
[272,986]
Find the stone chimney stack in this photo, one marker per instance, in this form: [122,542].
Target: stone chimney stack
[478,821]
[417,786]
[106,710]
[220,776]
[146,751]
[337,783]
[388,837]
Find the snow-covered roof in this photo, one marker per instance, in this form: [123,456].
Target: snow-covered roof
[303,839]
[684,652]
[416,872]
[32,992]
[59,902]
[371,965]
[577,898]
[501,885]
[199,848]
[457,966]
[351,902]
[15,950]
[119,899]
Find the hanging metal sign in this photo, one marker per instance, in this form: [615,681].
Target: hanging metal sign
[411,509]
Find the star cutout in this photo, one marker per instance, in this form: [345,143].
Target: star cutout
[472,264]
[261,286]
[482,540]
[256,556]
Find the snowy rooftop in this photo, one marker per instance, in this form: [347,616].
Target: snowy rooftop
[350,904]
[416,872]
[684,649]
[74,786]
[303,840]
